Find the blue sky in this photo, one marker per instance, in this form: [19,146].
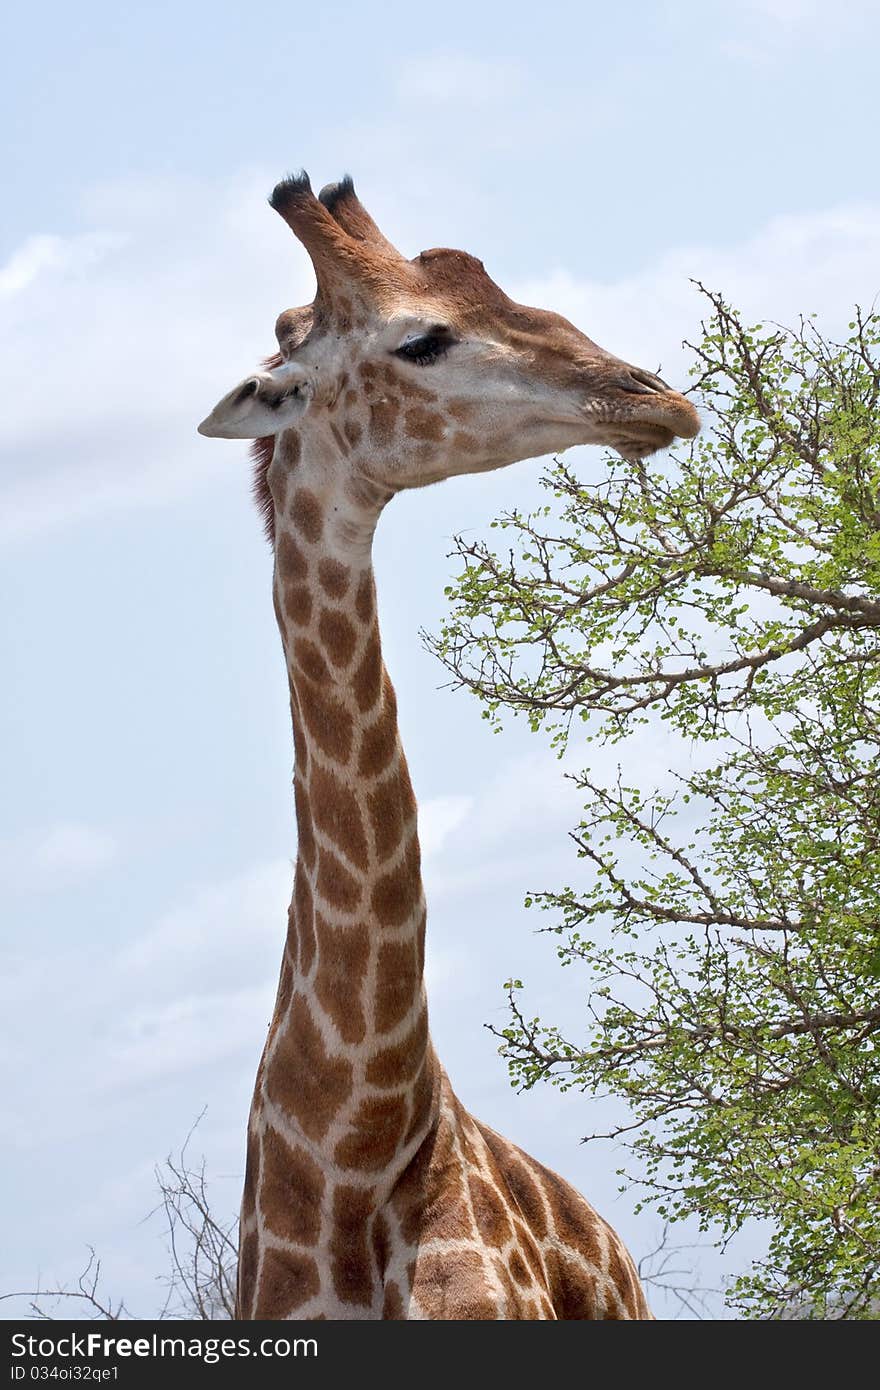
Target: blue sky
[595,159]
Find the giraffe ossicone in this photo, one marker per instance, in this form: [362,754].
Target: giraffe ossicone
[370,1192]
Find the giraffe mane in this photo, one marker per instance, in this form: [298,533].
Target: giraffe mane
[261,457]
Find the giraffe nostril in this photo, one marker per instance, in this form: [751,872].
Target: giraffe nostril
[642,383]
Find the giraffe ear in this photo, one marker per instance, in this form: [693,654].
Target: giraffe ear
[263,404]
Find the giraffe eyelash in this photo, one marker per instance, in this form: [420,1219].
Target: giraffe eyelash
[427,349]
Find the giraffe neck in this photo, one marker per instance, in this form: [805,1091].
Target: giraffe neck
[349,1069]
[365,1197]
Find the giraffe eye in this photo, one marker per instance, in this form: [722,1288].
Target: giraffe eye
[428,348]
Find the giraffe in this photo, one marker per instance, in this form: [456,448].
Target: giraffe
[370,1192]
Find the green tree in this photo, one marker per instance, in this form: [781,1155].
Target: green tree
[728,923]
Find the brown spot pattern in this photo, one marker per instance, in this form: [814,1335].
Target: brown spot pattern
[397,982]
[290,562]
[386,816]
[328,722]
[574,1288]
[425,1101]
[303,924]
[392,1304]
[334,577]
[492,1220]
[305,510]
[381,1242]
[447,1218]
[412,391]
[453,1284]
[376,1131]
[350,1262]
[464,442]
[343,953]
[427,1203]
[530,1252]
[251,1175]
[407,795]
[378,744]
[248,1258]
[298,604]
[574,1221]
[368,678]
[511,1307]
[397,894]
[309,660]
[302,1079]
[423,424]
[301,748]
[395,1065]
[305,829]
[335,884]
[288,1281]
[413,1191]
[293,1186]
[292,450]
[527,1195]
[622,1278]
[365,598]
[337,814]
[285,985]
[338,636]
[391,807]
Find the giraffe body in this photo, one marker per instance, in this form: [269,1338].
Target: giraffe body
[370,1191]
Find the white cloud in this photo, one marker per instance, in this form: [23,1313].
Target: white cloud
[74,849]
[438,818]
[63,851]
[765,33]
[821,262]
[183,1034]
[218,931]
[453,79]
[194,989]
[39,255]
[757,54]
[786,12]
[445,968]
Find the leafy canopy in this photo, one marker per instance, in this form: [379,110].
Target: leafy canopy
[728,923]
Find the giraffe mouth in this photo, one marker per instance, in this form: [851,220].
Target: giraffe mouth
[651,416]
[637,441]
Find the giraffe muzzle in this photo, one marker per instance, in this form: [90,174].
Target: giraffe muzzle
[650,405]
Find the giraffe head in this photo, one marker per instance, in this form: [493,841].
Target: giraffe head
[413,371]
